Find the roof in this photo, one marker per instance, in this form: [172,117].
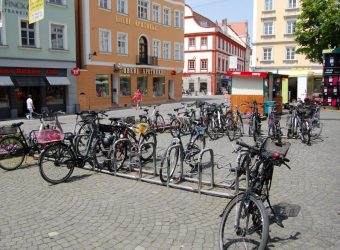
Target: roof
[241,28]
[201,19]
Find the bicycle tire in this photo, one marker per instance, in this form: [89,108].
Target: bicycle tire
[175,126]
[212,131]
[316,129]
[231,132]
[305,133]
[171,159]
[185,126]
[160,123]
[148,150]
[242,207]
[100,154]
[82,139]
[56,163]
[12,153]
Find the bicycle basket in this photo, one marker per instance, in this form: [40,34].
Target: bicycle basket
[141,128]
[106,128]
[8,130]
[48,136]
[273,147]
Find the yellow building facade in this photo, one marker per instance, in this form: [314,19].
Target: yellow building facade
[125,45]
[274,48]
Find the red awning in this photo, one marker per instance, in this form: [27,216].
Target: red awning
[247,74]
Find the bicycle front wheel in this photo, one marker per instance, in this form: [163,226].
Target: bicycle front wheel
[146,149]
[244,225]
[160,123]
[170,166]
[56,163]
[305,132]
[12,153]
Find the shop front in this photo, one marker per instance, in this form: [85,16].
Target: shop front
[48,87]
[117,87]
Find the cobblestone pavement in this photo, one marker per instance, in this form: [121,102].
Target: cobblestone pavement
[99,211]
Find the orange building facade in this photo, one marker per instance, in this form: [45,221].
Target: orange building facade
[125,45]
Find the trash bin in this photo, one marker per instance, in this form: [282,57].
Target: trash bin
[268,107]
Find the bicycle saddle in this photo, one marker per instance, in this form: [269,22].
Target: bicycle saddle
[146,110]
[115,119]
[16,125]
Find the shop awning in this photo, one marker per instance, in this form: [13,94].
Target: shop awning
[58,81]
[29,81]
[5,81]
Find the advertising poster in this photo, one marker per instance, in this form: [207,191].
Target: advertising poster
[232,62]
[35,10]
[0,13]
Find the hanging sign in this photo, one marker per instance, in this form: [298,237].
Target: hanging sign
[35,11]
[1,13]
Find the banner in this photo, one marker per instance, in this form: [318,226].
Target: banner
[232,62]
[35,11]
[1,14]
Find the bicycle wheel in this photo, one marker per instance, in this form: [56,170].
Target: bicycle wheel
[12,153]
[82,139]
[212,131]
[148,150]
[185,126]
[316,129]
[171,160]
[244,225]
[56,163]
[160,123]
[175,126]
[305,133]
[231,130]
[100,154]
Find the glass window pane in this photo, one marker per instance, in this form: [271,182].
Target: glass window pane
[125,86]
[102,85]
[158,86]
[142,84]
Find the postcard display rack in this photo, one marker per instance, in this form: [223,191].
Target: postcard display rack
[331,78]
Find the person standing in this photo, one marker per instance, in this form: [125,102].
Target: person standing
[30,106]
[227,98]
[138,98]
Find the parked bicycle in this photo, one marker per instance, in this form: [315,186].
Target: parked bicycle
[274,128]
[234,123]
[298,123]
[255,121]
[245,223]
[155,120]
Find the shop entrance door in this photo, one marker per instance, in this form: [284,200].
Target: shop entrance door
[292,89]
[114,90]
[171,89]
[22,95]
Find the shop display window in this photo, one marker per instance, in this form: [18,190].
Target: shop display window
[125,86]
[158,86]
[4,100]
[142,84]
[102,85]
[55,95]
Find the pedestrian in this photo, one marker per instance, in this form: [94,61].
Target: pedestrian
[226,97]
[138,98]
[30,107]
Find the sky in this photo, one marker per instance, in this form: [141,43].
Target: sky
[233,10]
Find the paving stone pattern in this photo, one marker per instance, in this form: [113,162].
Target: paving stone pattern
[99,211]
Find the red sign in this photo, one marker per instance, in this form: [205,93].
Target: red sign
[75,71]
[173,72]
[247,74]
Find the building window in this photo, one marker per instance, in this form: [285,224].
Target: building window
[219,64]
[177,20]
[125,85]
[223,64]
[58,36]
[58,2]
[1,39]
[191,64]
[122,6]
[192,42]
[102,85]
[105,41]
[157,48]
[142,84]
[268,28]
[166,50]
[290,53]
[177,55]
[4,100]
[268,5]
[182,19]
[158,86]
[143,9]
[204,41]
[156,13]
[105,4]
[27,34]
[204,64]
[291,26]
[166,16]
[55,95]
[267,54]
[292,4]
[122,43]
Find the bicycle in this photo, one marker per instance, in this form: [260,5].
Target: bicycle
[298,123]
[274,128]
[234,123]
[14,147]
[255,121]
[245,222]
[177,152]
[155,120]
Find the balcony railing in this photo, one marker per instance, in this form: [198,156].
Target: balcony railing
[147,60]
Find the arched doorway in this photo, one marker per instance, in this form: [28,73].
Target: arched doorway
[143,50]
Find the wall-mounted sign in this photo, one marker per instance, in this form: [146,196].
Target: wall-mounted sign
[247,74]
[232,62]
[8,71]
[18,7]
[35,11]
[75,71]
[141,71]
[0,13]
[138,23]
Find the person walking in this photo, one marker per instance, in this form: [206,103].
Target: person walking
[30,106]
[227,98]
[138,98]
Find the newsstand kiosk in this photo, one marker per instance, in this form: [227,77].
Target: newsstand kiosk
[331,78]
[255,86]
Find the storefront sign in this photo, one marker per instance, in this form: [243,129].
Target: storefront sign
[18,7]
[247,74]
[35,11]
[75,71]
[142,71]
[123,20]
[6,71]
[145,25]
